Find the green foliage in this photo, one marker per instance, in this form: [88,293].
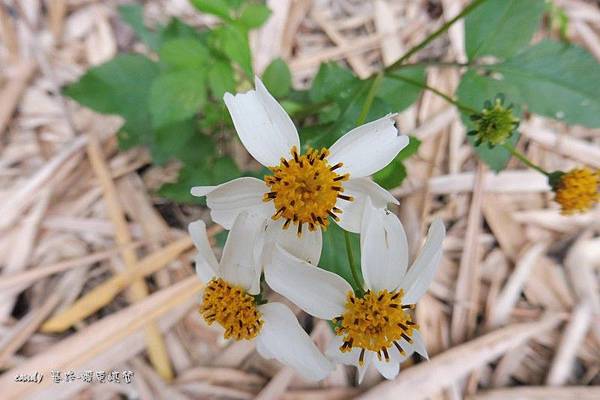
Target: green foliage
[184,53]
[473,92]
[555,80]
[501,27]
[176,96]
[254,15]
[333,255]
[121,87]
[220,8]
[133,15]
[393,174]
[278,78]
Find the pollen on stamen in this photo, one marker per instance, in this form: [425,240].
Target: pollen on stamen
[305,190]
[375,322]
[231,307]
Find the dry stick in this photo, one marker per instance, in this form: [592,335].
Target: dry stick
[540,393]
[9,36]
[56,15]
[465,311]
[453,364]
[11,94]
[18,282]
[157,350]
[104,293]
[572,338]
[99,337]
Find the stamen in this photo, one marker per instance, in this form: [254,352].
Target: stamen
[361,358]
[344,197]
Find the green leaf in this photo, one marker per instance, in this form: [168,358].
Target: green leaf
[501,27]
[333,256]
[177,29]
[233,42]
[395,172]
[132,14]
[221,79]
[332,82]
[211,172]
[472,92]
[254,15]
[120,86]
[184,53]
[401,94]
[220,8]
[555,80]
[176,96]
[278,78]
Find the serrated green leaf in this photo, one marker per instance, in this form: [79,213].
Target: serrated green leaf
[254,15]
[177,29]
[120,86]
[472,92]
[501,27]
[398,93]
[221,78]
[233,42]
[176,96]
[394,173]
[169,140]
[278,78]
[556,80]
[220,8]
[184,53]
[333,256]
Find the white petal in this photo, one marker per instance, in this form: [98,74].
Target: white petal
[384,249]
[360,188]
[226,201]
[348,357]
[263,126]
[207,266]
[316,291]
[423,270]
[395,354]
[286,341]
[362,370]
[419,344]
[389,369]
[368,148]
[239,264]
[307,247]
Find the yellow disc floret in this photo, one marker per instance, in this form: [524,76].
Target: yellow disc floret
[233,308]
[577,190]
[375,322]
[305,189]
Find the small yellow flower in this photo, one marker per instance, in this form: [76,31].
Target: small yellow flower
[576,190]
[495,124]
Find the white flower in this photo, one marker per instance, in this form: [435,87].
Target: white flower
[228,300]
[377,327]
[303,190]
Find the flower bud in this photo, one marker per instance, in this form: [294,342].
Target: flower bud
[494,124]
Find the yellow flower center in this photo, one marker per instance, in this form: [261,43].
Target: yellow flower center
[233,308]
[375,322]
[577,190]
[305,189]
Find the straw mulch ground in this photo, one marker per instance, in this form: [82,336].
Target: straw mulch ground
[514,312]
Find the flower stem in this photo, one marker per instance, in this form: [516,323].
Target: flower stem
[435,91]
[355,274]
[430,38]
[524,159]
[364,112]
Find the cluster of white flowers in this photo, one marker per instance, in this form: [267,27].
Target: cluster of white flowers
[275,229]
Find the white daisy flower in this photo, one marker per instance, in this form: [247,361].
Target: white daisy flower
[377,327]
[303,190]
[228,300]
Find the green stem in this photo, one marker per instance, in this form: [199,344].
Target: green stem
[437,92]
[355,274]
[524,159]
[364,112]
[435,34]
